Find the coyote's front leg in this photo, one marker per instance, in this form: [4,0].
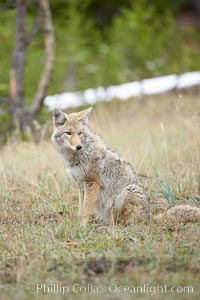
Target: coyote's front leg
[91,190]
[81,198]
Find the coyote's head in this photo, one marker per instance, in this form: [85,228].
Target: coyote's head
[69,129]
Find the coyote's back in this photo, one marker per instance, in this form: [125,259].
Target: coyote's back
[107,184]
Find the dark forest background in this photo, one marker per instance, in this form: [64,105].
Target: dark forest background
[98,43]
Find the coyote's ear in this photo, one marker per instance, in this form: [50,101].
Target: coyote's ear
[59,117]
[83,115]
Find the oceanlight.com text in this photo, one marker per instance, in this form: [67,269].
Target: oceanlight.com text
[112,288]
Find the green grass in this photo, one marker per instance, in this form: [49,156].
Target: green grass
[41,240]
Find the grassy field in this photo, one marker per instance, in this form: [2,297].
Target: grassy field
[41,241]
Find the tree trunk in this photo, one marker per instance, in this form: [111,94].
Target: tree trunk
[49,49]
[17,66]
[24,117]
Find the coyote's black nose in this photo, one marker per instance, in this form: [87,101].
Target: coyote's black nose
[78,147]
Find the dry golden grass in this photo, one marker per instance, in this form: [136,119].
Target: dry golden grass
[40,239]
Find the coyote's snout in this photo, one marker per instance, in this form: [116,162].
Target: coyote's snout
[72,139]
[108,185]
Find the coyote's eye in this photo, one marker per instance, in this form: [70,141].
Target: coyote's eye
[80,133]
[68,133]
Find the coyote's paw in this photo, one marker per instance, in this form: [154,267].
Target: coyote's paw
[84,221]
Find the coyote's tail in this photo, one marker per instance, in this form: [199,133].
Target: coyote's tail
[180,213]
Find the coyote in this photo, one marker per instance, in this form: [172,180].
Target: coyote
[108,185]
